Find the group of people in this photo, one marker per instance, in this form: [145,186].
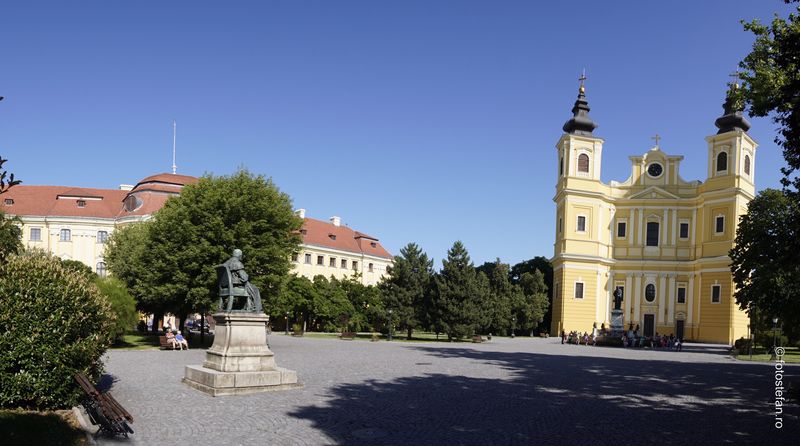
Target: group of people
[176,340]
[671,342]
[575,337]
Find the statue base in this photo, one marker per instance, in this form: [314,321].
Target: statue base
[239,362]
[617,323]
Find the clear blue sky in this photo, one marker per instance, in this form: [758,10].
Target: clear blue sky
[423,121]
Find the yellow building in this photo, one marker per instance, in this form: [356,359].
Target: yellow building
[662,240]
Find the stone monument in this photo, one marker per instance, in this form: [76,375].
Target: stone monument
[617,320]
[240,361]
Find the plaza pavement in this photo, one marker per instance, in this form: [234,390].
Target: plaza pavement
[509,391]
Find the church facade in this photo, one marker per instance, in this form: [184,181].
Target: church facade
[661,240]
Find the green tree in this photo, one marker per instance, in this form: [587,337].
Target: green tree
[199,229]
[531,266]
[297,298]
[122,304]
[331,308]
[405,287]
[771,80]
[764,262]
[459,292]
[10,231]
[79,267]
[497,306]
[534,303]
[6,178]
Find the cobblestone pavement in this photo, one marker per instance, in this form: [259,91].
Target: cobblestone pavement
[522,391]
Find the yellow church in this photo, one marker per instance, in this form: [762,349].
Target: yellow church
[661,240]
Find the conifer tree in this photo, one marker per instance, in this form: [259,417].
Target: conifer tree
[405,288]
[459,293]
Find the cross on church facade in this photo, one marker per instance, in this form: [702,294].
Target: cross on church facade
[657,138]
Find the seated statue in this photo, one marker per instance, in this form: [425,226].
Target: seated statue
[235,283]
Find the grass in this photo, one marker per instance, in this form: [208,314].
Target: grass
[791,356]
[417,336]
[41,428]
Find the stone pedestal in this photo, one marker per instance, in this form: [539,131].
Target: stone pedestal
[617,322]
[239,362]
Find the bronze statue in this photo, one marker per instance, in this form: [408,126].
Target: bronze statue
[618,298]
[234,283]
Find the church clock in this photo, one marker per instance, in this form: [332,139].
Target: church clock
[655,170]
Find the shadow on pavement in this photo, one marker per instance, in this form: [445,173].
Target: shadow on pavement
[558,400]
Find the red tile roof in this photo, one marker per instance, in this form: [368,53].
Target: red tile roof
[43,201]
[325,234]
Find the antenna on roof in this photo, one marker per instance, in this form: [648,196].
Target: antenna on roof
[174,133]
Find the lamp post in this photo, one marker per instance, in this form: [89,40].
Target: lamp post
[287,323]
[774,334]
[390,325]
[750,344]
[513,325]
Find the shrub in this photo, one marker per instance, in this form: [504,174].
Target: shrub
[53,323]
[122,303]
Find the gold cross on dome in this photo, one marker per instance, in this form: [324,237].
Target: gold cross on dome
[657,138]
[737,77]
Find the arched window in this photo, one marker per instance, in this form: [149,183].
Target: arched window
[66,235]
[722,162]
[101,269]
[102,236]
[652,233]
[747,164]
[650,292]
[583,163]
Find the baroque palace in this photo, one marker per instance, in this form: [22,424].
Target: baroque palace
[662,241]
[75,223]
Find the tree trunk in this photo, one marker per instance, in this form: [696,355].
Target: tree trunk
[409,333]
[157,317]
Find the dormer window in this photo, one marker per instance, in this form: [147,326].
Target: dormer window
[81,203]
[373,244]
[9,201]
[332,236]
[304,231]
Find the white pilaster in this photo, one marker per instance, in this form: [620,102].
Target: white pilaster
[664,229]
[674,227]
[639,240]
[671,300]
[628,296]
[690,300]
[662,285]
[636,297]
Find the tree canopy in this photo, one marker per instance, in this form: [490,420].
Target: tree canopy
[459,293]
[405,288]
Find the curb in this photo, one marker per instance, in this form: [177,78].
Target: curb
[88,428]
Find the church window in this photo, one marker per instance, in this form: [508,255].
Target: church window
[747,164]
[561,167]
[621,227]
[583,163]
[684,231]
[681,295]
[578,290]
[101,269]
[581,223]
[716,293]
[650,292]
[560,225]
[722,162]
[652,233]
[66,235]
[719,224]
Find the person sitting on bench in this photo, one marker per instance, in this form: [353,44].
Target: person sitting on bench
[171,338]
[181,341]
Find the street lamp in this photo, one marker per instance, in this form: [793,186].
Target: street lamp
[287,323]
[390,324]
[774,334]
[513,325]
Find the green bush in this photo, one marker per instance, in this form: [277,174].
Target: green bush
[122,303]
[53,323]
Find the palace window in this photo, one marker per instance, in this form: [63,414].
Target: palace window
[747,164]
[102,236]
[621,227]
[581,223]
[308,258]
[369,267]
[652,233]
[681,295]
[650,292]
[583,163]
[332,262]
[344,263]
[320,260]
[36,234]
[722,162]
[65,236]
[101,269]
[684,231]
[716,293]
[294,256]
[719,224]
[355,265]
[578,290]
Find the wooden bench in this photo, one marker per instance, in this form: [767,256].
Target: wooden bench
[164,344]
[103,409]
[348,335]
[477,339]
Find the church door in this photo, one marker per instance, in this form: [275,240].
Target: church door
[649,324]
[679,328]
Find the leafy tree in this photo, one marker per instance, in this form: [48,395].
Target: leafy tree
[764,262]
[459,292]
[534,305]
[771,80]
[531,266]
[199,229]
[10,235]
[122,304]
[405,287]
[297,298]
[5,184]
[497,307]
[365,300]
[330,306]
[79,267]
